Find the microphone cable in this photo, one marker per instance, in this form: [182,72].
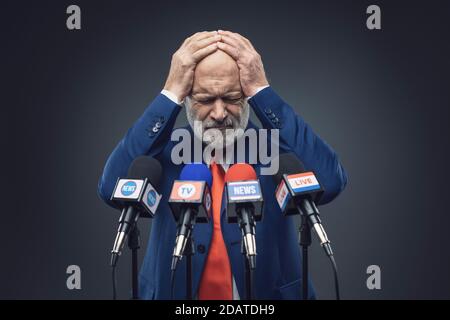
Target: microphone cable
[251,294]
[172,283]
[114,283]
[336,279]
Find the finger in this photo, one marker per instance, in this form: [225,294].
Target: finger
[247,42]
[232,42]
[201,35]
[237,38]
[231,50]
[197,45]
[185,42]
[202,53]
[240,36]
[188,39]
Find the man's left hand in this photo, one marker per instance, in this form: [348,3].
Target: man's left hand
[251,69]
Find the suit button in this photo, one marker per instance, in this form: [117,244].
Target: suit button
[275,120]
[155,129]
[268,111]
[271,116]
[158,125]
[201,248]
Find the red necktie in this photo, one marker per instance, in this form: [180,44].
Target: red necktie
[215,283]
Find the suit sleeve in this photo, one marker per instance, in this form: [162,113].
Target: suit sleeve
[297,136]
[147,136]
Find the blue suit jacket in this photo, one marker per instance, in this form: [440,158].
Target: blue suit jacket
[278,269]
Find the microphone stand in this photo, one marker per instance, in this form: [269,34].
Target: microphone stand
[134,243]
[305,242]
[189,251]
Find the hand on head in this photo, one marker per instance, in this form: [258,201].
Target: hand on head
[197,47]
[185,59]
[251,69]
[214,72]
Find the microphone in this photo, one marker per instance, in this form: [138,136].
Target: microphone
[190,202]
[136,195]
[297,192]
[245,203]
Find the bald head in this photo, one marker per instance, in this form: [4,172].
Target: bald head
[217,74]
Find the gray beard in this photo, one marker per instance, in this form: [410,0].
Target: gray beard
[215,138]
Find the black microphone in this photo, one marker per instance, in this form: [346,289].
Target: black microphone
[297,192]
[137,196]
[190,202]
[245,201]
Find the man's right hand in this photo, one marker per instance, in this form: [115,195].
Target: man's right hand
[185,59]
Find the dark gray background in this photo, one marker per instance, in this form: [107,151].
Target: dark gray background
[380,98]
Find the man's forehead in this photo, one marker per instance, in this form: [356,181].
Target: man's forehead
[217,93]
[213,86]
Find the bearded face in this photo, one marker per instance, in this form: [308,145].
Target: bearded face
[216,108]
[222,133]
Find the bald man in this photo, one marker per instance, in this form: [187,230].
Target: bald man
[217,76]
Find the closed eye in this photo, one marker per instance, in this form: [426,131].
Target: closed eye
[206,101]
[232,100]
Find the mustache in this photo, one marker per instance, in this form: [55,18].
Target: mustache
[213,124]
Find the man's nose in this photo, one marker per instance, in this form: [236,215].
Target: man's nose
[219,111]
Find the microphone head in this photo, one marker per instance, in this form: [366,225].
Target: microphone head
[243,190]
[240,172]
[289,164]
[196,172]
[146,167]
